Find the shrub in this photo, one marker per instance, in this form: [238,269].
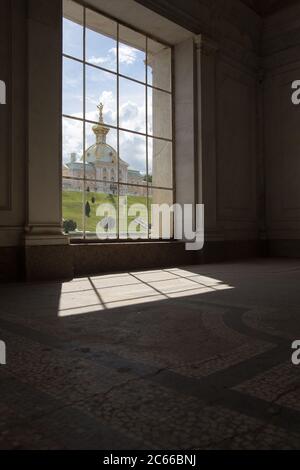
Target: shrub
[69,226]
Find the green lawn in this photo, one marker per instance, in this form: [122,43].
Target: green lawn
[73,208]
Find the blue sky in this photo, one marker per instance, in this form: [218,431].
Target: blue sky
[101,86]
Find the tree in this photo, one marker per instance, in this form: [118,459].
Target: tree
[87,209]
[69,226]
[148,178]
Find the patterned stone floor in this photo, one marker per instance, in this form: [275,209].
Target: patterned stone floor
[190,358]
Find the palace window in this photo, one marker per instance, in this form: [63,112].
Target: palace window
[117,126]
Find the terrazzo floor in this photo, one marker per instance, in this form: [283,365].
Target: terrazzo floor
[189,358]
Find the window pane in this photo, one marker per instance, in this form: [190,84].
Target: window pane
[161,222]
[159,62]
[72,207]
[72,88]
[101,44]
[101,202]
[132,56]
[101,87]
[72,148]
[133,212]
[159,113]
[132,168]
[111,180]
[73,30]
[101,155]
[160,168]
[132,106]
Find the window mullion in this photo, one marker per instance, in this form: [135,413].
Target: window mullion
[147,162]
[84,116]
[118,135]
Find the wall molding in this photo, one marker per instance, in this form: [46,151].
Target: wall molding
[244,213]
[5,110]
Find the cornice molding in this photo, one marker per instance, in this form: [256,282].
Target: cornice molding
[206,17]
[173,13]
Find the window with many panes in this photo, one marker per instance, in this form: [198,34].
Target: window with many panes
[117,126]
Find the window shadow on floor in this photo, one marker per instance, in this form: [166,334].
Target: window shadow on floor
[130,355]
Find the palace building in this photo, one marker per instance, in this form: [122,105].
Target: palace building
[100,167]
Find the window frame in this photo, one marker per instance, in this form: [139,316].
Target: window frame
[85,179]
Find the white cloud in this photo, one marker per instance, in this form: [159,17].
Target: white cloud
[98,60]
[133,151]
[72,138]
[127,54]
[132,116]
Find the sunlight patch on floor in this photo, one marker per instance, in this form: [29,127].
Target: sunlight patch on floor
[98,293]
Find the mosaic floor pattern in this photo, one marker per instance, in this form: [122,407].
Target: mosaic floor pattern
[188,358]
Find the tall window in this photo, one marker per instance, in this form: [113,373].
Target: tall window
[117,126]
